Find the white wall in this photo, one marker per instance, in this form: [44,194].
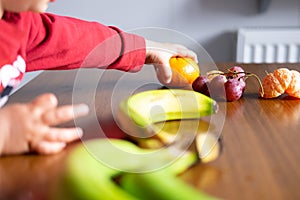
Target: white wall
[212,23]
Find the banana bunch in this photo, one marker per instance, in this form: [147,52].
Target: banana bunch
[114,169]
[95,172]
[158,118]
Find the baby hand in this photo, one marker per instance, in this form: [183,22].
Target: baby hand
[159,55]
[31,127]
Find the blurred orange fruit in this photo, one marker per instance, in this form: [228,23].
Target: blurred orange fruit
[187,68]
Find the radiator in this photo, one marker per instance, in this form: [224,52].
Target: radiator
[268,45]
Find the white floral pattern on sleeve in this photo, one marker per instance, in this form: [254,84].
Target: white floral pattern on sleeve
[10,76]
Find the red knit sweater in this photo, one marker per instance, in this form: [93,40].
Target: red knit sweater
[30,41]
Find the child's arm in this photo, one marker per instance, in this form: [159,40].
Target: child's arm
[30,127]
[66,43]
[58,42]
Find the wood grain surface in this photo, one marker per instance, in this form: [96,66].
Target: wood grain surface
[261,137]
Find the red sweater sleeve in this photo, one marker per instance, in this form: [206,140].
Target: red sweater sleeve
[57,42]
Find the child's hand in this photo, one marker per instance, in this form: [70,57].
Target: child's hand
[159,55]
[30,127]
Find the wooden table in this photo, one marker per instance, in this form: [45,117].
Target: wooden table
[261,138]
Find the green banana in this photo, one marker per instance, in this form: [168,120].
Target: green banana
[90,178]
[118,169]
[86,178]
[160,186]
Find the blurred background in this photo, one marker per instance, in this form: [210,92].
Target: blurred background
[244,31]
[212,23]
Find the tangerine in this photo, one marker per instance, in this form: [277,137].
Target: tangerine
[281,81]
[294,86]
[284,76]
[186,67]
[271,86]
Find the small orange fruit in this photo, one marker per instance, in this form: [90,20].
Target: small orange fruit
[294,86]
[187,68]
[281,81]
[271,86]
[284,76]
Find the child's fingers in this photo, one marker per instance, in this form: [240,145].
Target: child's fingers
[45,147]
[185,52]
[63,134]
[45,101]
[164,73]
[64,114]
[55,140]
[192,55]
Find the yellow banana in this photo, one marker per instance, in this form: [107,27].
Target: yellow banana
[151,119]
[149,107]
[139,112]
[90,173]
